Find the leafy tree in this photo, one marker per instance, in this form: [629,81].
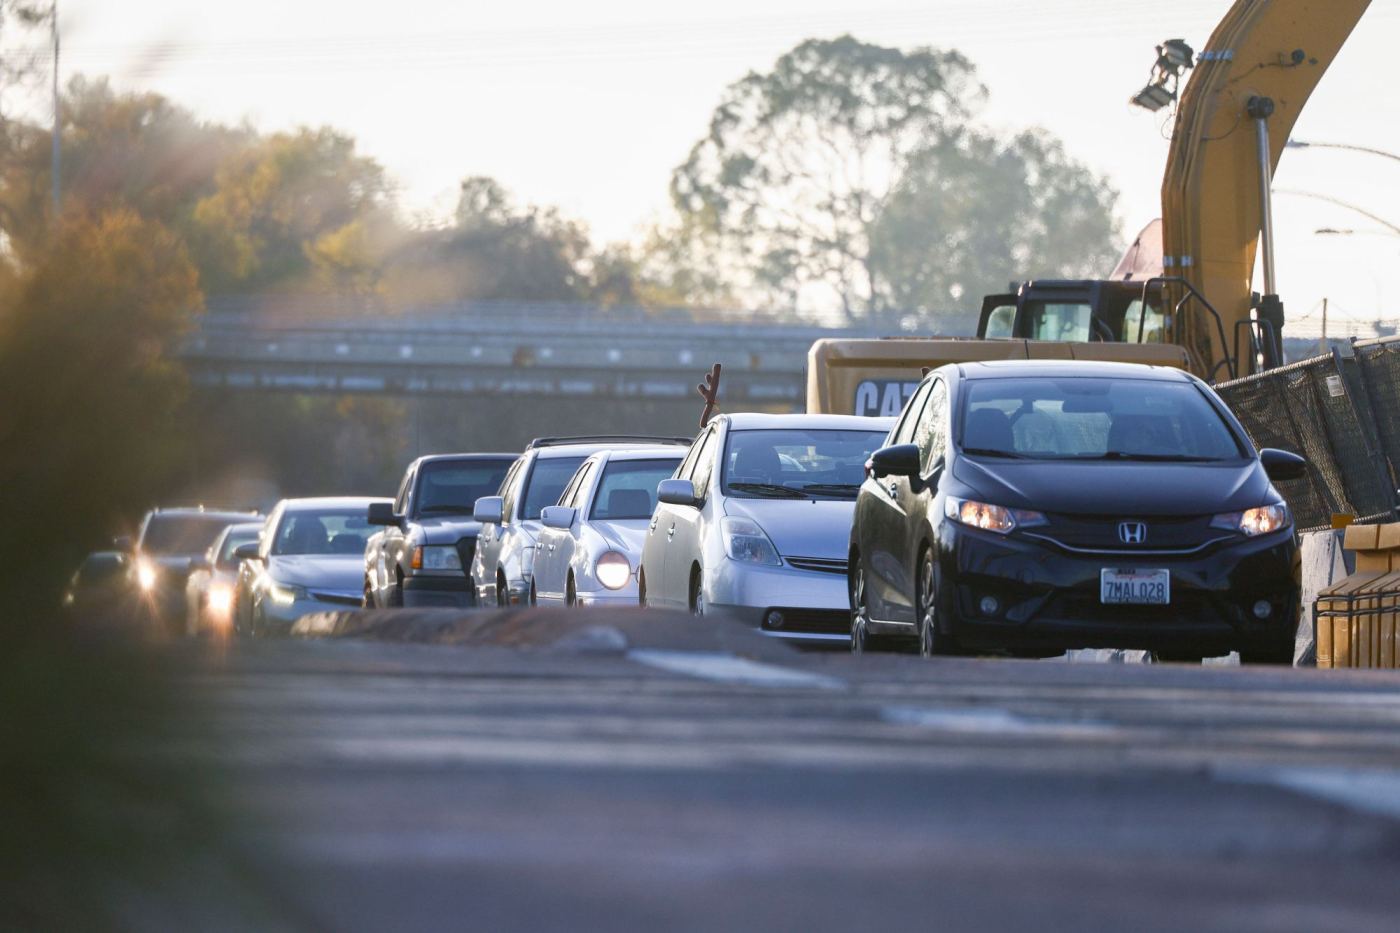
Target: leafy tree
[831,181]
[974,212]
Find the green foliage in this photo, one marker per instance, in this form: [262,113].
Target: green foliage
[832,180]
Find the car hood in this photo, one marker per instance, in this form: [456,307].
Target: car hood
[626,535]
[448,529]
[801,527]
[322,571]
[1116,488]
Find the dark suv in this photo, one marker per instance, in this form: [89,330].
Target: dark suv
[424,552]
[1035,507]
[169,541]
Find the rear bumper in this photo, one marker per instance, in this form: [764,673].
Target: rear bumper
[1049,600]
[438,592]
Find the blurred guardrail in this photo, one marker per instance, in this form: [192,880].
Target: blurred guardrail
[1338,410]
[501,348]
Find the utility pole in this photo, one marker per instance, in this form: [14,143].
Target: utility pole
[1322,345]
[57,114]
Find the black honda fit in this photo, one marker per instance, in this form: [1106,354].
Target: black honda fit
[1032,507]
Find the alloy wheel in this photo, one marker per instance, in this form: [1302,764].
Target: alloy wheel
[859,613]
[928,614]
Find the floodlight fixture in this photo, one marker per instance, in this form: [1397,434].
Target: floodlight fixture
[1153,97]
[1174,56]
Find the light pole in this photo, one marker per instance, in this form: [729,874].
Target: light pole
[1303,144]
[1394,228]
[57,114]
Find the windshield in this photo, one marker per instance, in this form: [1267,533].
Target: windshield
[1093,419]
[546,483]
[628,488]
[451,487]
[232,541]
[181,534]
[322,531]
[797,463]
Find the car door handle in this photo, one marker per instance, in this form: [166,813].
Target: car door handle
[893,490]
[672,532]
[551,549]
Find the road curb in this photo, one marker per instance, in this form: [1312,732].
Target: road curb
[574,631]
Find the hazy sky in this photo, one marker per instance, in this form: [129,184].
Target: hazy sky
[590,105]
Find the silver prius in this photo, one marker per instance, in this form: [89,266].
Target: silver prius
[591,543]
[757,522]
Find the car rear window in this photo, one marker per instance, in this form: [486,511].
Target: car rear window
[628,488]
[546,483]
[1093,419]
[181,534]
[451,487]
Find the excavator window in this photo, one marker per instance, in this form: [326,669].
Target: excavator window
[1049,320]
[1001,322]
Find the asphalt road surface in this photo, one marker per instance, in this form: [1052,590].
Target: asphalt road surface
[600,786]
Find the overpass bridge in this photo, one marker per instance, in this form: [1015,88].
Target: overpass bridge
[498,348]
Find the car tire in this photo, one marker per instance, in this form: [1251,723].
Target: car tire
[642,589]
[928,642]
[861,639]
[367,600]
[534,599]
[502,596]
[570,594]
[396,594]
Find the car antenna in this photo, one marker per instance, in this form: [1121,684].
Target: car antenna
[709,391]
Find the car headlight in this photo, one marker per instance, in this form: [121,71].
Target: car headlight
[146,575]
[744,541]
[284,594]
[1253,522]
[990,517]
[220,599]
[613,570]
[437,557]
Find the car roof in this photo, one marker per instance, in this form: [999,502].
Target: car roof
[1086,369]
[750,421]
[192,510]
[330,502]
[585,450]
[242,526]
[435,458]
[641,453]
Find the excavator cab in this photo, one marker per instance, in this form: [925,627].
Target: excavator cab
[1080,311]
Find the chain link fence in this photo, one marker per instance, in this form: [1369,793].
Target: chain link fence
[1338,412]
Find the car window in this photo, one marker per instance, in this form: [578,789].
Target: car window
[321,531]
[931,430]
[401,499]
[904,433]
[181,533]
[627,488]
[705,464]
[1094,418]
[545,481]
[573,495]
[687,468]
[1050,320]
[451,487]
[510,489]
[789,462]
[232,541]
[1001,323]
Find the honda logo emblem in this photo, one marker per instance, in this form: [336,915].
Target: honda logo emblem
[1132,532]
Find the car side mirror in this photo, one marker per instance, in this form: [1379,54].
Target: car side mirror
[677,492]
[124,544]
[489,510]
[896,460]
[1282,464]
[558,516]
[382,513]
[247,551]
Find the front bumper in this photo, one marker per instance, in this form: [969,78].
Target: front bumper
[814,604]
[278,618]
[1049,600]
[438,592]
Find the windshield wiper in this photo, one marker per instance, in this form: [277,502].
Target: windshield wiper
[449,509]
[772,490]
[988,452]
[838,489]
[1150,458]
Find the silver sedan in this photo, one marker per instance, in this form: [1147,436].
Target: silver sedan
[756,522]
[591,543]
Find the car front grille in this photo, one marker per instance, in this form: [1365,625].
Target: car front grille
[819,564]
[337,598]
[1162,534]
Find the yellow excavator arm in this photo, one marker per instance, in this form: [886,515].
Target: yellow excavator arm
[1235,114]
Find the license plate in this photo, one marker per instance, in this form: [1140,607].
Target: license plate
[1135,587]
